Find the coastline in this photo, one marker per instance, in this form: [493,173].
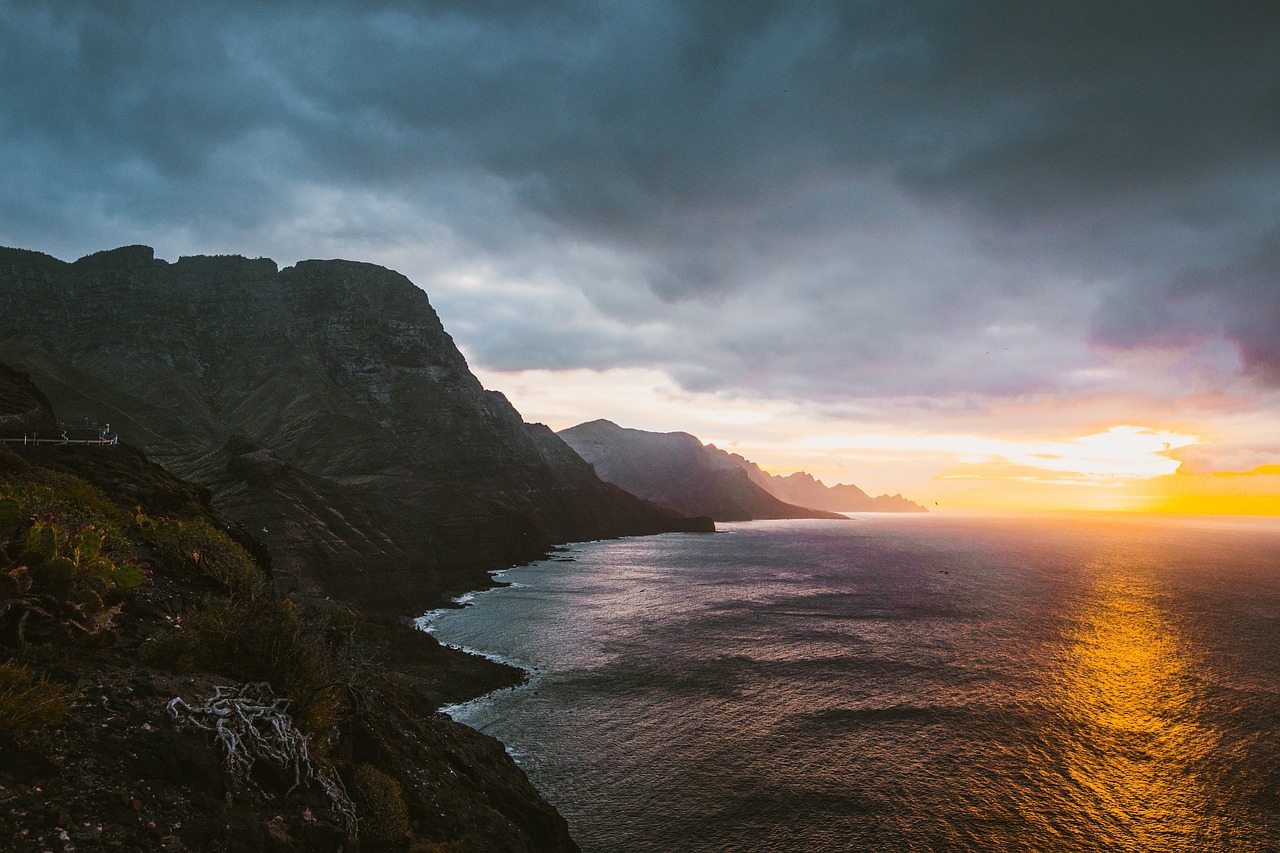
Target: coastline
[475,673]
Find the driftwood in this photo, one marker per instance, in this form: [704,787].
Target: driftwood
[251,724]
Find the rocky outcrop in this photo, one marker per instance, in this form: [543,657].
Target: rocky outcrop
[323,405]
[24,410]
[676,470]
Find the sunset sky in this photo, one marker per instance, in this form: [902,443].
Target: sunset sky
[985,254]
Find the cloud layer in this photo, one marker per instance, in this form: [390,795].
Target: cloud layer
[811,202]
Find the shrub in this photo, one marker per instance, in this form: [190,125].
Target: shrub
[381,800]
[258,637]
[55,579]
[27,702]
[64,555]
[199,546]
[71,500]
[252,724]
[438,847]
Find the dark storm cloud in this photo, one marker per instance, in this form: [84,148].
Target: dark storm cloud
[882,165]
[1085,104]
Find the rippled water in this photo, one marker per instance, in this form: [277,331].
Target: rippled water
[899,683]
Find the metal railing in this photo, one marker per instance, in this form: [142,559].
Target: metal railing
[91,442]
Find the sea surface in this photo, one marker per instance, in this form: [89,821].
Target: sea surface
[898,682]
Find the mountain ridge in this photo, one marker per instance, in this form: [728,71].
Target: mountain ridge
[803,488]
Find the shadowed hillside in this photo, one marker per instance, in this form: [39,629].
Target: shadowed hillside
[23,408]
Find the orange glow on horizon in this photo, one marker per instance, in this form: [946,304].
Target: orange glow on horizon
[1028,454]
[1124,469]
[1255,492]
[1220,493]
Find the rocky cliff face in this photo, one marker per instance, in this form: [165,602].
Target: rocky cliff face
[325,407]
[676,470]
[23,408]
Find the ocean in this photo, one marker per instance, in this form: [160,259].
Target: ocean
[898,682]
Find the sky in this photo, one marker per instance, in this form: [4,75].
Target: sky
[985,254]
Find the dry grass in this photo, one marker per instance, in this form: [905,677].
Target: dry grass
[27,702]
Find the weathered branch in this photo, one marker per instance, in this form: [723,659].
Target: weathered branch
[252,723]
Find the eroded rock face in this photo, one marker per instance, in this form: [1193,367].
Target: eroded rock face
[325,407]
[24,410]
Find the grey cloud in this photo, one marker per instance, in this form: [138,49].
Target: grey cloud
[1085,104]
[1247,296]
[1238,299]
[616,120]
[817,199]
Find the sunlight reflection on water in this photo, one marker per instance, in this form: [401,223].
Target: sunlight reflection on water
[1123,765]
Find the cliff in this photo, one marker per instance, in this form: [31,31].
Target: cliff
[323,405]
[23,408]
[676,470]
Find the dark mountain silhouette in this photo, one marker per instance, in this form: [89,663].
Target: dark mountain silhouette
[325,407]
[676,470]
